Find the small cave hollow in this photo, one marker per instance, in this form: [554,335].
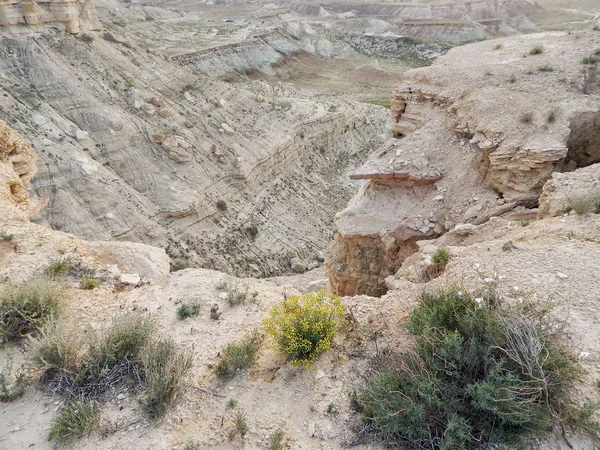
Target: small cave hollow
[584,140]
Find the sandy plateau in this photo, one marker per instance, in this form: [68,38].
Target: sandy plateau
[165,147]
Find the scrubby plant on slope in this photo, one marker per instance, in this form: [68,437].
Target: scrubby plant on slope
[303,327]
[481,372]
[24,308]
[238,356]
[127,353]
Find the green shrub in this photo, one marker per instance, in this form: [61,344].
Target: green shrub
[57,268]
[191,445]
[498,47]
[276,440]
[546,68]
[553,114]
[512,79]
[238,356]
[480,372]
[166,369]
[24,308]
[239,420]
[188,309]
[304,326]
[441,256]
[586,203]
[536,50]
[591,60]
[10,389]
[76,420]
[88,283]
[221,205]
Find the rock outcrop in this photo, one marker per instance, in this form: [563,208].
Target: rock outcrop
[472,137]
[26,16]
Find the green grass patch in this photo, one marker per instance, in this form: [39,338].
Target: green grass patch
[57,268]
[239,356]
[188,309]
[586,203]
[536,50]
[76,420]
[88,283]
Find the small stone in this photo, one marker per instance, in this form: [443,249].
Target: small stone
[164,113]
[117,125]
[311,428]
[438,198]
[130,278]
[424,229]
[508,246]
[38,119]
[159,138]
[190,123]
[464,229]
[227,129]
[561,276]
[291,254]
[149,109]
[137,104]
[121,396]
[320,374]
[238,162]
[109,216]
[81,135]
[228,121]
[189,97]
[157,101]
[223,295]
[297,265]
[260,98]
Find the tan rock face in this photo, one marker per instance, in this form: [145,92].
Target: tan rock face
[473,136]
[24,16]
[17,168]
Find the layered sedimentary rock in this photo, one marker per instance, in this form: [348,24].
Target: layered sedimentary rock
[474,136]
[24,16]
[135,147]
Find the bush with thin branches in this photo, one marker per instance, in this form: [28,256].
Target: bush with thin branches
[481,371]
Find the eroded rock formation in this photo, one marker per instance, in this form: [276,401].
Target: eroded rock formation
[472,137]
[24,16]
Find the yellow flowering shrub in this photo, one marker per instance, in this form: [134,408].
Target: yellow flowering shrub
[304,326]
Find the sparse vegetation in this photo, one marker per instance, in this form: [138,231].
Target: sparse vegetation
[238,356]
[498,47]
[524,223]
[553,114]
[188,309]
[239,420]
[332,410]
[526,118]
[191,445]
[481,371]
[439,259]
[586,203]
[303,327]
[76,420]
[221,205]
[4,236]
[88,283]
[10,389]
[590,60]
[165,369]
[536,50]
[56,268]
[276,440]
[25,308]
[546,68]
[235,294]
[126,353]
[512,79]
[87,38]
[188,88]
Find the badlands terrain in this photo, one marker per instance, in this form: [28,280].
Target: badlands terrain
[163,148]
